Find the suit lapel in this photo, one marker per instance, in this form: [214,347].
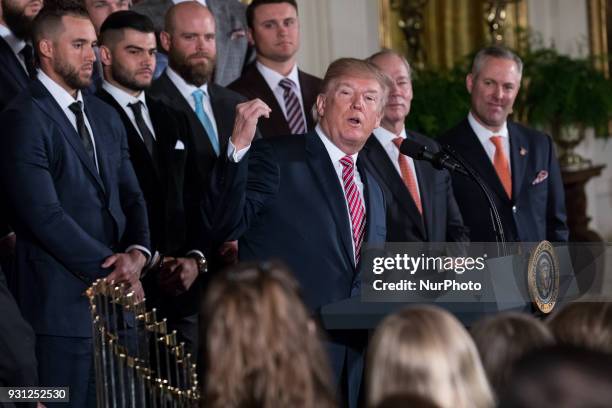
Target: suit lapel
[309,97]
[9,61]
[276,120]
[518,141]
[223,117]
[101,153]
[325,174]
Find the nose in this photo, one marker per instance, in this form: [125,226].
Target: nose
[498,92]
[357,102]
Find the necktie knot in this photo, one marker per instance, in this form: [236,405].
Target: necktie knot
[497,141]
[287,84]
[76,108]
[398,141]
[347,162]
[136,106]
[198,95]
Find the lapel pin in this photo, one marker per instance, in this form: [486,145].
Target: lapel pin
[523,151]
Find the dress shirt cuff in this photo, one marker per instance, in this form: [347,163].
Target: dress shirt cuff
[236,155]
[142,249]
[153,262]
[195,252]
[10,234]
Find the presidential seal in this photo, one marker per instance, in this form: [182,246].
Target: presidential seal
[543,277]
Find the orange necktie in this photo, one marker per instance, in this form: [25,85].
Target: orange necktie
[408,176]
[500,162]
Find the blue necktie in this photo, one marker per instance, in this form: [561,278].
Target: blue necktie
[198,96]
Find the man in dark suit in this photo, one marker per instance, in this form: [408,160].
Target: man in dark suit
[274,77]
[420,201]
[308,199]
[157,137]
[518,164]
[78,210]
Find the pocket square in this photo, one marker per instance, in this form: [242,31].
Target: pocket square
[542,175]
[179,145]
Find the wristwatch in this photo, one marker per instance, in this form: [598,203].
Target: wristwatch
[200,261]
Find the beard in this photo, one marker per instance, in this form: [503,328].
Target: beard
[70,75]
[17,21]
[193,73]
[124,78]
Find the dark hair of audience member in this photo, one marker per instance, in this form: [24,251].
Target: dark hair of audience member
[560,376]
[250,11]
[48,22]
[112,29]
[503,339]
[426,351]
[260,346]
[584,324]
[405,400]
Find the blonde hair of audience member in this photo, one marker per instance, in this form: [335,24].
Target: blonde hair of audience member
[424,350]
[503,339]
[584,324]
[261,349]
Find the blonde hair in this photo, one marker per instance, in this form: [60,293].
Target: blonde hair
[424,350]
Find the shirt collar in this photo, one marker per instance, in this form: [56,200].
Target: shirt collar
[61,96]
[15,43]
[273,78]
[386,137]
[483,133]
[184,88]
[334,152]
[122,97]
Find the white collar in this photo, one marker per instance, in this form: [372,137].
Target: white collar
[273,78]
[184,88]
[334,152]
[483,133]
[61,96]
[15,43]
[122,97]
[386,137]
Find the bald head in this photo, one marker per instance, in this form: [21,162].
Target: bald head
[187,10]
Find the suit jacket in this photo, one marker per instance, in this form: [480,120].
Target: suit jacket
[172,193]
[536,210]
[69,217]
[232,44]
[253,85]
[223,103]
[441,220]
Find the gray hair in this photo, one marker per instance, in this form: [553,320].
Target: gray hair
[495,51]
[389,52]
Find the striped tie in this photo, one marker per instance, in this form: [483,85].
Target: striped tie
[295,119]
[355,203]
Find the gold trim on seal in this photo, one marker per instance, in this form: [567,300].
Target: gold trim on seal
[543,277]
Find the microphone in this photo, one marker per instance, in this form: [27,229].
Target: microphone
[439,160]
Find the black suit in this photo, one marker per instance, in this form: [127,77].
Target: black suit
[172,192]
[253,85]
[441,220]
[536,210]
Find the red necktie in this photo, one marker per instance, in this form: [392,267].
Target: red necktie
[408,176]
[500,162]
[355,203]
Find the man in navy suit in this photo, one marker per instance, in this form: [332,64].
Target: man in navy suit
[308,199]
[518,164]
[78,210]
[420,201]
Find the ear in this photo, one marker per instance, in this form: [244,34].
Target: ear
[321,100]
[106,57]
[469,82]
[166,40]
[45,48]
[250,37]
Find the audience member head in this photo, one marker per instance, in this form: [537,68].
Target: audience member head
[63,38]
[398,70]
[561,377]
[405,400]
[584,324]
[424,350]
[494,84]
[351,102]
[275,32]
[189,40]
[127,50]
[18,15]
[503,339]
[99,10]
[261,349]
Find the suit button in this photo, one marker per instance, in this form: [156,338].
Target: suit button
[514,209]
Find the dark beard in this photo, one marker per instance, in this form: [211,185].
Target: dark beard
[197,75]
[122,77]
[70,75]
[16,21]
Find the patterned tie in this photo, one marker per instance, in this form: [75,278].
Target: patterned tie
[198,96]
[355,203]
[295,118]
[502,167]
[27,52]
[77,109]
[408,176]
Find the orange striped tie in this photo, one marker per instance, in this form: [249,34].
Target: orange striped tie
[408,176]
[502,167]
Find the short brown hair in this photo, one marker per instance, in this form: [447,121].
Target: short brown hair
[250,11]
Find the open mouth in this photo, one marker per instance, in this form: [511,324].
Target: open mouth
[354,121]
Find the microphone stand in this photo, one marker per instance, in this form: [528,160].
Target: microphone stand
[472,174]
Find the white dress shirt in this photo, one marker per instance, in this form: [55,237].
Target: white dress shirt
[187,89]
[15,43]
[273,79]
[484,135]
[124,99]
[385,138]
